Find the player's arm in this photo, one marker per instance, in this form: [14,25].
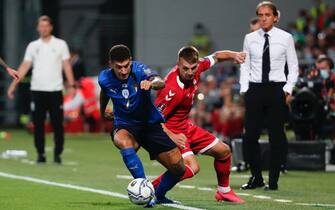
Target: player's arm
[68,72]
[11,72]
[104,99]
[154,82]
[179,139]
[224,55]
[220,56]
[22,71]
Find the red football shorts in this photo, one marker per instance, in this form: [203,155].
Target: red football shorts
[198,141]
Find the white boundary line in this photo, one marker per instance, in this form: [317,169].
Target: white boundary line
[263,197]
[86,189]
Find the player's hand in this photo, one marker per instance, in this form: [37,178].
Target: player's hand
[179,139]
[109,116]
[13,73]
[239,57]
[71,91]
[288,98]
[145,85]
[10,92]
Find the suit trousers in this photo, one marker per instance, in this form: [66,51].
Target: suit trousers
[266,107]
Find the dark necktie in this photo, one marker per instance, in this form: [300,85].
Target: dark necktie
[266,60]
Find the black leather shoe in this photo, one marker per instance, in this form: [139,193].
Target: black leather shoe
[253,183]
[41,159]
[57,159]
[271,187]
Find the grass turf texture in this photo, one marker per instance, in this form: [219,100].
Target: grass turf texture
[92,161]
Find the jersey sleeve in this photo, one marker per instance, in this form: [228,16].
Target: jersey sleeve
[28,56]
[146,72]
[65,51]
[167,99]
[206,63]
[102,80]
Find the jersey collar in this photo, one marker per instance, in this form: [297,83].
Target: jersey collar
[180,83]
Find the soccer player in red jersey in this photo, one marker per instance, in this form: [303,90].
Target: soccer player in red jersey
[175,102]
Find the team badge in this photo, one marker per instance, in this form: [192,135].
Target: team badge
[125,93]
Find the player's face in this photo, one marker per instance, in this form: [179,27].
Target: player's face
[44,28]
[186,70]
[254,27]
[266,18]
[121,69]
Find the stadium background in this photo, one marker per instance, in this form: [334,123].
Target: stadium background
[155,30]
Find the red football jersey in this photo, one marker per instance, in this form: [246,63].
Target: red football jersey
[176,99]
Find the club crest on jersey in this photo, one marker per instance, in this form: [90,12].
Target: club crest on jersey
[125,93]
[169,96]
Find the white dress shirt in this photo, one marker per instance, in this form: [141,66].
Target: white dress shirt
[47,59]
[282,50]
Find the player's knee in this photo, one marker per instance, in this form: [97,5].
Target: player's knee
[178,169]
[226,150]
[124,143]
[195,167]
[223,152]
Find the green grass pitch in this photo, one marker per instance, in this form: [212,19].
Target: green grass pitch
[91,161]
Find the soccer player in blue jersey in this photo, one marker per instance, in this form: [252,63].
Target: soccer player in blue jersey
[137,121]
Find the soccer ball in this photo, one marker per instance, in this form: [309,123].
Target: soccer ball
[140,191]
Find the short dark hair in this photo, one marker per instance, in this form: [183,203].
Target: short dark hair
[119,53]
[189,54]
[45,18]
[323,58]
[269,4]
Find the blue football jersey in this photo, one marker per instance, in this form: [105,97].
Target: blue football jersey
[131,104]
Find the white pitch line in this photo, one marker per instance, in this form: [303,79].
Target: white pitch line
[124,177]
[128,177]
[86,189]
[186,186]
[262,196]
[70,186]
[316,204]
[243,176]
[205,189]
[243,194]
[283,201]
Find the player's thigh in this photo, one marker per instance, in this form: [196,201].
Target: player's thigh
[156,141]
[219,151]
[172,160]
[122,139]
[201,140]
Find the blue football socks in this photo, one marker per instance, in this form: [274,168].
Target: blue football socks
[133,162]
[168,181]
